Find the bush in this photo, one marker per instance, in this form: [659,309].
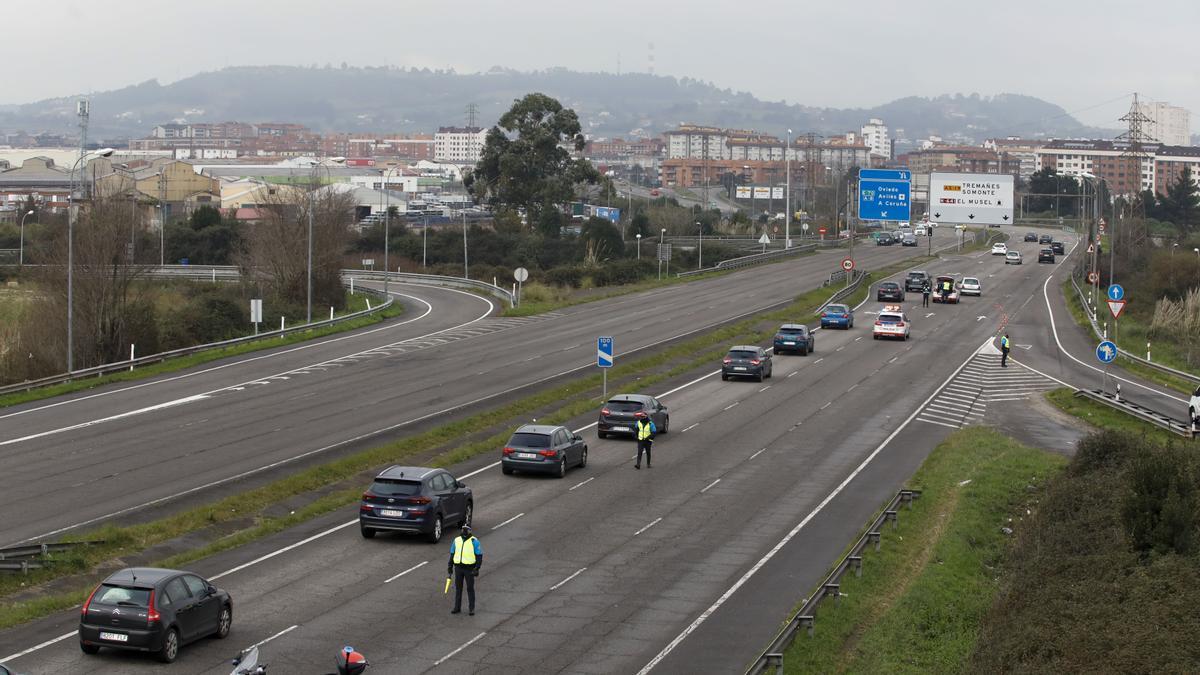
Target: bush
[1103,450]
[623,272]
[1159,509]
[570,276]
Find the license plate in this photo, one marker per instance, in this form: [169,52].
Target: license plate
[391,513]
[526,455]
[789,343]
[739,367]
[114,637]
[620,428]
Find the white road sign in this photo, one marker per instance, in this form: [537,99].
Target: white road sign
[985,198]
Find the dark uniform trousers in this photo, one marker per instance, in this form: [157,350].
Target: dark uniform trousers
[464,573]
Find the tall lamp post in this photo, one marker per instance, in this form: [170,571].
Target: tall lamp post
[71,209]
[387,221]
[21,254]
[787,217]
[639,240]
[700,256]
[312,205]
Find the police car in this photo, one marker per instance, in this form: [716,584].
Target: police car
[892,322]
[1194,409]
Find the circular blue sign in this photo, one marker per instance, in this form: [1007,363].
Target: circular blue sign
[1116,292]
[1106,351]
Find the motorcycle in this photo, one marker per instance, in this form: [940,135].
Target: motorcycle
[349,662]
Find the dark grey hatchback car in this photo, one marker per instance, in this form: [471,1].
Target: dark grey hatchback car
[621,413]
[746,361]
[415,500]
[154,610]
[541,448]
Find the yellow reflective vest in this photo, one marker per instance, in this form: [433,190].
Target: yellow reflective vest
[1004,342]
[464,554]
[643,429]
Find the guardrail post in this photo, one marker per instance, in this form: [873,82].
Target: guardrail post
[891,515]
[806,622]
[876,538]
[775,660]
[833,590]
[906,498]
[856,562]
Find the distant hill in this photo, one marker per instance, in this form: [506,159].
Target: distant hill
[420,100]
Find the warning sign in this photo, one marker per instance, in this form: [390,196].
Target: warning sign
[971,198]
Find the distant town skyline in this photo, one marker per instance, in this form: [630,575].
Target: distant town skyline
[840,55]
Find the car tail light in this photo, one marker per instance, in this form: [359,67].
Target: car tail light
[603,411]
[878,323]
[900,325]
[364,508]
[726,360]
[547,453]
[419,500]
[83,610]
[640,415]
[508,450]
[845,316]
[152,613]
[754,362]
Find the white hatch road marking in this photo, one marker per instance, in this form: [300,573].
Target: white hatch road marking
[790,535]
[707,487]
[414,567]
[281,633]
[560,584]
[507,521]
[759,452]
[466,644]
[131,413]
[652,524]
[692,426]
[579,485]
[964,400]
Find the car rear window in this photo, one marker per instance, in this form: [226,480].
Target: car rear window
[623,406]
[528,440]
[891,318]
[970,280]
[110,594]
[837,309]
[743,355]
[392,487]
[916,275]
[792,330]
[888,285]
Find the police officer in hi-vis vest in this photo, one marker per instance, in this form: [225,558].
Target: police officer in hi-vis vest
[466,557]
[645,437]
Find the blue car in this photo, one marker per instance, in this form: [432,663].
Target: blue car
[795,338]
[837,316]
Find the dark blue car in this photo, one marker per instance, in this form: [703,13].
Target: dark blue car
[837,316]
[794,337]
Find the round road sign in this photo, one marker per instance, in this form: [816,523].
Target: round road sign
[1093,277]
[847,264]
[804,226]
[521,274]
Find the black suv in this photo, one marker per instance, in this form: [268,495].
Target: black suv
[414,500]
[621,413]
[1031,236]
[147,609]
[884,239]
[746,361]
[541,448]
[916,280]
[1045,240]
[889,290]
[1046,255]
[1058,247]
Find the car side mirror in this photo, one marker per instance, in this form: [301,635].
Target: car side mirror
[577,437]
[662,407]
[210,590]
[459,483]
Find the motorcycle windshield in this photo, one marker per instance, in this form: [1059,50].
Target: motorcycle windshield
[247,663]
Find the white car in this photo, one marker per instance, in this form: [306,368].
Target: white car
[892,322]
[999,249]
[1012,258]
[1194,408]
[970,286]
[919,231]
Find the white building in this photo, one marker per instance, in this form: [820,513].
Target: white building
[690,141]
[875,135]
[1169,124]
[459,144]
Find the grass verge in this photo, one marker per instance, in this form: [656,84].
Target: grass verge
[919,605]
[1103,417]
[357,302]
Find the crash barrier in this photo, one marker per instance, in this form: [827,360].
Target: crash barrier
[36,556]
[857,277]
[1143,413]
[772,658]
[129,364]
[1124,353]
[748,260]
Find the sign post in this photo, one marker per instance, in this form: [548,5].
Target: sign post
[664,255]
[1116,300]
[604,358]
[764,240]
[1106,353]
[521,275]
[256,313]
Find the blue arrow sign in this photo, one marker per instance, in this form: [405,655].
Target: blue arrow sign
[884,174]
[884,200]
[604,352]
[1106,351]
[1116,292]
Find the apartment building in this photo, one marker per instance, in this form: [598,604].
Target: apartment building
[463,145]
[1169,124]
[875,135]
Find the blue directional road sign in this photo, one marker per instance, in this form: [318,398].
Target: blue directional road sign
[604,352]
[1116,292]
[1106,351]
[886,197]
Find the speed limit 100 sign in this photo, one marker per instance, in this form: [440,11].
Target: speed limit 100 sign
[847,264]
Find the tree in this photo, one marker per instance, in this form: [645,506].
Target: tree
[603,237]
[639,224]
[524,164]
[1053,192]
[206,238]
[1181,204]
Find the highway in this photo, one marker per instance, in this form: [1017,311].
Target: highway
[688,567]
[182,438]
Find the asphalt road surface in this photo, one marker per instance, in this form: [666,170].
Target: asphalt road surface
[686,567]
[130,447]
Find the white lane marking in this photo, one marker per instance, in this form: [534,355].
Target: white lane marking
[893,359]
[929,315]
[579,485]
[555,587]
[281,633]
[764,389]
[793,373]
[652,524]
[731,405]
[925,419]
[706,488]
[852,388]
[840,348]
[691,427]
[285,549]
[131,413]
[858,338]
[1010,398]
[417,566]
[826,405]
[819,360]
[466,644]
[792,533]
[757,453]
[13,657]
[507,521]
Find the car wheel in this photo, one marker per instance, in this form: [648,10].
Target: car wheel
[89,649]
[562,467]
[600,434]
[506,471]
[583,458]
[666,425]
[224,623]
[367,532]
[724,377]
[436,535]
[170,648]
[467,516]
[770,372]
[759,377]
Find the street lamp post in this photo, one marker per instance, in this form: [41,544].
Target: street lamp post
[639,242]
[387,222]
[700,257]
[71,209]
[661,238]
[787,217]
[21,254]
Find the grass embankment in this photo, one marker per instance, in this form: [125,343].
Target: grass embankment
[1134,333]
[921,600]
[338,483]
[1101,416]
[354,303]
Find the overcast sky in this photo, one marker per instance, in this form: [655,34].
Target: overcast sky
[820,52]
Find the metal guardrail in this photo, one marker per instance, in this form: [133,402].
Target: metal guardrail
[432,280]
[35,556]
[1143,413]
[772,657]
[748,260]
[1087,310]
[857,279]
